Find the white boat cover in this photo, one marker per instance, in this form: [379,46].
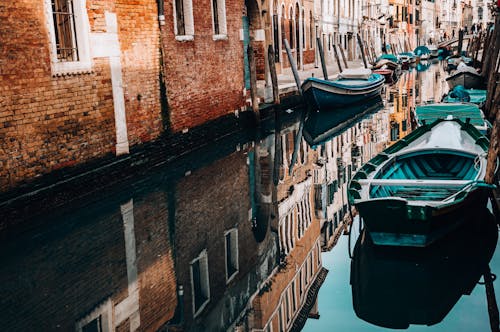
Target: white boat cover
[356,73]
[462,67]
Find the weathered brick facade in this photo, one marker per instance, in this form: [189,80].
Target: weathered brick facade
[204,77]
[50,121]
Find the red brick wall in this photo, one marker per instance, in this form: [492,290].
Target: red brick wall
[204,77]
[51,122]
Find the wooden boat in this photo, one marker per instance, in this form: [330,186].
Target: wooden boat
[387,73]
[385,63]
[352,86]
[415,191]
[467,77]
[461,94]
[320,127]
[433,51]
[396,287]
[431,112]
[406,57]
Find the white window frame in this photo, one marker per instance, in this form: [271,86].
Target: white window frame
[82,32]
[188,21]
[203,258]
[105,311]
[233,233]
[221,16]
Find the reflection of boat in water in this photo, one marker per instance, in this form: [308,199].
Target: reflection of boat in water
[319,127]
[396,287]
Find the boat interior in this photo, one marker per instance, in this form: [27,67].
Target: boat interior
[426,175]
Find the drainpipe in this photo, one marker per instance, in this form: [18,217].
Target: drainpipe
[161,12]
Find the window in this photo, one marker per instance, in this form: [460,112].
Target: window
[69,35]
[99,320]
[183,20]
[199,282]
[480,13]
[231,246]
[290,29]
[219,18]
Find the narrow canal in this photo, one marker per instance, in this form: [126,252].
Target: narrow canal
[251,233]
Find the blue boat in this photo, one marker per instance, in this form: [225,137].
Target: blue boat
[464,111]
[461,94]
[415,191]
[350,88]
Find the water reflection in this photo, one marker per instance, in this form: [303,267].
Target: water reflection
[395,287]
[228,237]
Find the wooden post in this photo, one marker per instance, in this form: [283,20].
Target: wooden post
[274,77]
[491,300]
[343,56]
[367,52]
[293,65]
[490,49]
[477,48]
[337,57]
[460,41]
[360,43]
[374,59]
[322,57]
[253,81]
[493,149]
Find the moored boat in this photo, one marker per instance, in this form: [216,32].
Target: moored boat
[467,77]
[433,51]
[387,73]
[352,86]
[464,111]
[415,191]
[461,94]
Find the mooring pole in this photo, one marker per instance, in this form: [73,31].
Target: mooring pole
[322,58]
[293,66]
[253,82]
[337,57]
[298,137]
[274,77]
[360,43]
[343,56]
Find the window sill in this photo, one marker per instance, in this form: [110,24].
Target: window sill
[71,68]
[219,37]
[184,38]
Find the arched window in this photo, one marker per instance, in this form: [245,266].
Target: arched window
[290,28]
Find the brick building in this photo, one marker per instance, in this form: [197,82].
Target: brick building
[80,83]
[92,79]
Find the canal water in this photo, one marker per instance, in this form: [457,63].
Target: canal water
[252,235]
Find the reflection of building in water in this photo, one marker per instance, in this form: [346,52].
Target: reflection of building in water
[104,268]
[283,300]
[219,263]
[403,97]
[434,87]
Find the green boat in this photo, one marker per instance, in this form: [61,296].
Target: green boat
[417,190]
[461,94]
[431,112]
